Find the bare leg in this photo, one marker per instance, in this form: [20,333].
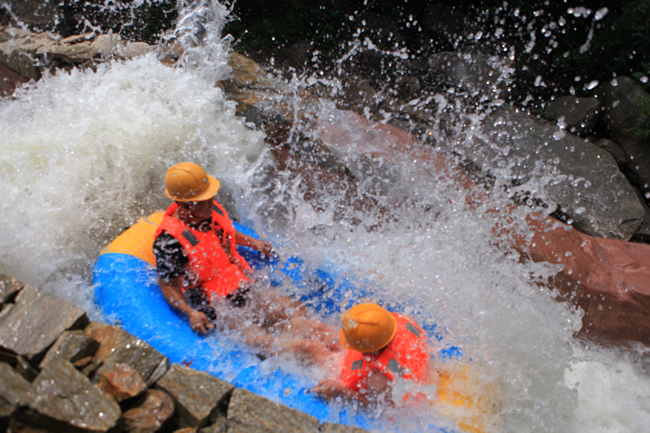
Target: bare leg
[274,323]
[308,351]
[313,330]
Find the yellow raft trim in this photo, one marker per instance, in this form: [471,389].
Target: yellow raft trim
[138,239]
[462,397]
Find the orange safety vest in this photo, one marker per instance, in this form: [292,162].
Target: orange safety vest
[216,270]
[406,357]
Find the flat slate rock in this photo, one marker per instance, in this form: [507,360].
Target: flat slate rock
[251,413]
[35,321]
[71,346]
[13,390]
[116,346]
[9,286]
[583,181]
[328,427]
[60,394]
[150,414]
[199,397]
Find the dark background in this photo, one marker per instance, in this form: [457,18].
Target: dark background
[620,42]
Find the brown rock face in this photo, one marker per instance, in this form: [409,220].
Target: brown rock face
[609,279]
[9,81]
[153,412]
[121,381]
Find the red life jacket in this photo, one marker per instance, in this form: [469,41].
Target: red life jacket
[406,357]
[216,270]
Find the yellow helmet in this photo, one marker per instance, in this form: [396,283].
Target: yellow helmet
[187,181]
[367,327]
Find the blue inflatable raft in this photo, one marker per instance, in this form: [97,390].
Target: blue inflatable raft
[128,293]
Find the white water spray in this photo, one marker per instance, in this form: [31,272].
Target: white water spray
[82,155]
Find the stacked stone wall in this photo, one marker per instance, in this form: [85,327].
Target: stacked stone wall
[61,372]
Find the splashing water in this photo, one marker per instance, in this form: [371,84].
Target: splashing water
[82,155]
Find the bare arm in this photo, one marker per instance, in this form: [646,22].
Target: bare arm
[174,296]
[257,244]
[378,390]
[330,389]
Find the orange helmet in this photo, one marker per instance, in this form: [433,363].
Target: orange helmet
[367,328]
[187,181]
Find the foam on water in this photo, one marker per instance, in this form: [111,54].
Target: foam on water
[83,154]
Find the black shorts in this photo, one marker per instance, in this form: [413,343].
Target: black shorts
[200,302]
[239,297]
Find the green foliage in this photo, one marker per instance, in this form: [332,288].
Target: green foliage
[642,132]
[643,76]
[545,114]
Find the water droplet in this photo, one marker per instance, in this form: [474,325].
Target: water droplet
[601,13]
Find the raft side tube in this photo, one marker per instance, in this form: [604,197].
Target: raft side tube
[128,293]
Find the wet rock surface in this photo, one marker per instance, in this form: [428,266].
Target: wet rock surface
[98,378]
[33,310]
[31,54]
[248,412]
[585,181]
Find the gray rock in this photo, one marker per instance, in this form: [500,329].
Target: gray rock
[26,53]
[150,414]
[9,287]
[18,50]
[25,368]
[622,100]
[328,427]
[13,390]
[66,400]
[219,426]
[131,50]
[35,13]
[199,397]
[250,413]
[120,381]
[295,54]
[582,181]
[117,346]
[35,321]
[627,108]
[580,115]
[483,76]
[643,234]
[613,149]
[71,346]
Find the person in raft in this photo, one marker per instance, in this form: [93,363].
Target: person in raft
[381,348]
[201,274]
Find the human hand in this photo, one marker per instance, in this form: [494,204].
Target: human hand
[265,248]
[329,389]
[199,322]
